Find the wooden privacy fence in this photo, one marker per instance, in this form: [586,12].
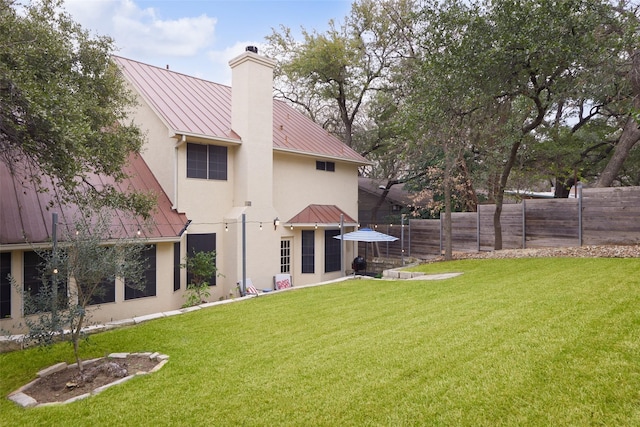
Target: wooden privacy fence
[598,216]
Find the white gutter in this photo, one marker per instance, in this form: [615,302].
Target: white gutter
[322,156]
[175,172]
[230,141]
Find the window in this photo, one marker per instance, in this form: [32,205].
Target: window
[206,161]
[5,285]
[285,256]
[31,266]
[201,243]
[106,292]
[308,251]
[331,251]
[149,278]
[325,166]
[176,266]
[33,281]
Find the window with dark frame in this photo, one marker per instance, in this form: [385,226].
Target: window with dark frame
[325,166]
[32,265]
[285,256]
[149,289]
[5,285]
[308,251]
[206,161]
[31,269]
[176,266]
[331,251]
[201,243]
[105,294]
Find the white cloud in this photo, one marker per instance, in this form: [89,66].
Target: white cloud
[141,33]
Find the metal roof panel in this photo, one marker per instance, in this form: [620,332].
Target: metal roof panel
[195,106]
[25,211]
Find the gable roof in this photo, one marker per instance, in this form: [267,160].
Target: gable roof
[193,106]
[396,194]
[26,212]
[321,215]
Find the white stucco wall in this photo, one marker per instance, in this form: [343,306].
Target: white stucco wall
[297,184]
[164,300]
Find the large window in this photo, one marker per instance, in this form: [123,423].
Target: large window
[34,280]
[5,285]
[176,266]
[285,256]
[206,161]
[32,277]
[201,243]
[331,251]
[105,293]
[308,251]
[149,285]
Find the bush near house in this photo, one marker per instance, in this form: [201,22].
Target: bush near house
[201,267]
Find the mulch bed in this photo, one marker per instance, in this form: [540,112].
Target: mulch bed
[68,383]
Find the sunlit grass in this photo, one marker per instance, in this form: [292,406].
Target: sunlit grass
[509,342]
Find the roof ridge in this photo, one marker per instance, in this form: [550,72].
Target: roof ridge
[171,71]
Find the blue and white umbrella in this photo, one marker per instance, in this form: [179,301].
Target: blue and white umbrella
[366,235]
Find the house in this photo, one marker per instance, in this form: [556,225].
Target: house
[26,225]
[372,210]
[259,183]
[234,159]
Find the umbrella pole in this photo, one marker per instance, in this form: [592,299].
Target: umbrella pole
[366,257]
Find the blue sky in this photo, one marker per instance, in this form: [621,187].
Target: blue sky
[199,37]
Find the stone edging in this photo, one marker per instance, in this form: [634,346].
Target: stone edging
[22,398]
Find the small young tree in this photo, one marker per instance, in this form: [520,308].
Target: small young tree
[201,266]
[88,259]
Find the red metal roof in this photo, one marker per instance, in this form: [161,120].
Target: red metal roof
[321,214]
[25,212]
[194,106]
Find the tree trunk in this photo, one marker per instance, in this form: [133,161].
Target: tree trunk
[381,199]
[563,187]
[471,198]
[497,225]
[630,134]
[448,245]
[75,339]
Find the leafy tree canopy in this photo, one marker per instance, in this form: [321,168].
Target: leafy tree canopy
[63,105]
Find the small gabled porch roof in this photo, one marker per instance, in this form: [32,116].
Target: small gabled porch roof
[321,216]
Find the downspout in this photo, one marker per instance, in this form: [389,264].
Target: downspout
[175,172]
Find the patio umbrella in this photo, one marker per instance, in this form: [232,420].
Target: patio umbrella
[366,235]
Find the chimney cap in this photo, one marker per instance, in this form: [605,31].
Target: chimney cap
[253,49]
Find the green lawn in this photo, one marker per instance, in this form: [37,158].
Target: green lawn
[543,342]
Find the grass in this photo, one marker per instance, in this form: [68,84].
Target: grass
[527,342]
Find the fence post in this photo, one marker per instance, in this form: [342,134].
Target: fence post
[579,214]
[387,250]
[524,223]
[440,234]
[478,226]
[402,238]
[409,238]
